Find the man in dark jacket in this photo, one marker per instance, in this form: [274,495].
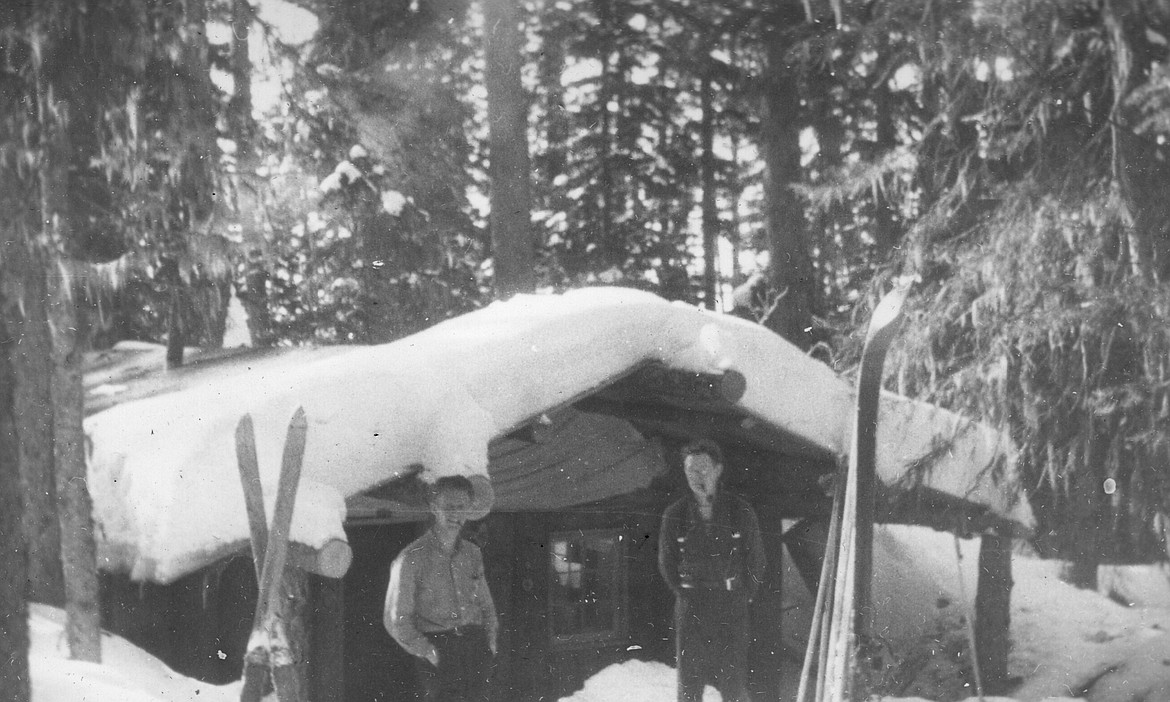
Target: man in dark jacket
[711,554]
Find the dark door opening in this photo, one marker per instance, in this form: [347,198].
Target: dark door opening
[376,668]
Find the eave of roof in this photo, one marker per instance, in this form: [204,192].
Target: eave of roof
[437,398]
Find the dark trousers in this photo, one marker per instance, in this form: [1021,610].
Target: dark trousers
[465,667]
[711,644]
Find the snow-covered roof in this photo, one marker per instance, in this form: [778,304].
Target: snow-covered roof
[163,471]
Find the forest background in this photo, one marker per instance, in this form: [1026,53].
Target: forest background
[352,171]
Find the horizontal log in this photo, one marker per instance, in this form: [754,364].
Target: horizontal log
[331,560]
[656,382]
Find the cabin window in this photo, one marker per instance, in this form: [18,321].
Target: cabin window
[587,586]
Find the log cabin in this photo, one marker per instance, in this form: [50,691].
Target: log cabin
[574,406]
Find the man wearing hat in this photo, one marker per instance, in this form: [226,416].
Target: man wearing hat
[711,554]
[438,605]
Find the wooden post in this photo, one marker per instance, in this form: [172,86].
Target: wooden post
[326,663]
[993,611]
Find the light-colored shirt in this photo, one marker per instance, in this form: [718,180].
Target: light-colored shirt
[432,589]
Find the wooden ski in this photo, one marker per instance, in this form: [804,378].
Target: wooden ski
[268,648]
[842,616]
[255,665]
[253,491]
[883,327]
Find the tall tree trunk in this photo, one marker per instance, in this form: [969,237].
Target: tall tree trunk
[252,290]
[32,364]
[791,269]
[551,64]
[512,246]
[611,246]
[14,642]
[710,211]
[23,312]
[240,105]
[74,509]
[885,231]
[1087,509]
[175,337]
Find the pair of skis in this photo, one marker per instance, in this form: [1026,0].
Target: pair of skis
[269,655]
[843,613]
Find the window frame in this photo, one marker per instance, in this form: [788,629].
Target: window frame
[620,631]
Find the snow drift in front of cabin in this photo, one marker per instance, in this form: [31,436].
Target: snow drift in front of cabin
[126,673]
[1068,643]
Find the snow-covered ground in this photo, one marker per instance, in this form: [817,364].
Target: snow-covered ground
[126,673]
[1068,643]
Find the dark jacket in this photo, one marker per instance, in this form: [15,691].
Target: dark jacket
[725,554]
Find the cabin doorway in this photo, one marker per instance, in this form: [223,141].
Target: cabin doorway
[376,668]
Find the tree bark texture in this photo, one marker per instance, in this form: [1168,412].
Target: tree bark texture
[790,265]
[74,508]
[512,245]
[14,636]
[31,358]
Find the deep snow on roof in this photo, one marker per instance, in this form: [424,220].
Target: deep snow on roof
[163,474]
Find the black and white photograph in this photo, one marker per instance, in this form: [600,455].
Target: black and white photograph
[584,351]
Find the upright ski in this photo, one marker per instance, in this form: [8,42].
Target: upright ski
[842,614]
[268,647]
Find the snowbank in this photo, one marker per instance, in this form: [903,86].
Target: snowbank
[635,681]
[1136,585]
[1068,644]
[126,673]
[1079,643]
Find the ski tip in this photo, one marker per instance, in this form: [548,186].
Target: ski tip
[889,309]
[244,425]
[298,418]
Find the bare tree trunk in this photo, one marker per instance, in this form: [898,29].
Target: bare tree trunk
[610,242]
[512,250]
[31,358]
[175,336]
[74,509]
[710,213]
[14,643]
[252,290]
[240,106]
[791,265]
[885,231]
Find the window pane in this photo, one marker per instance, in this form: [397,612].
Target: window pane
[585,594]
